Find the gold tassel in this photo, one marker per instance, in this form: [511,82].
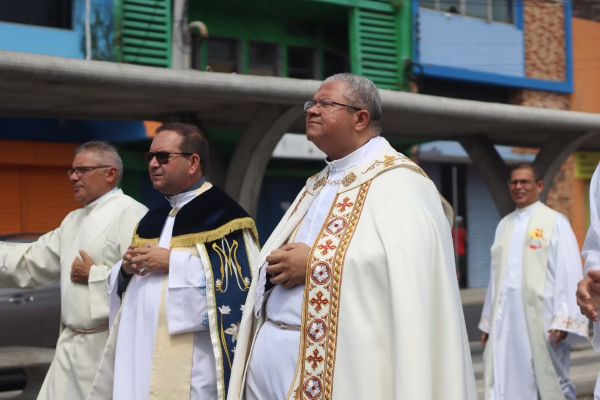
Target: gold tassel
[192,239]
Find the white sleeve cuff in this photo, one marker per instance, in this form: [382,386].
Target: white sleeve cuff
[98,291]
[577,325]
[185,270]
[186,296]
[484,325]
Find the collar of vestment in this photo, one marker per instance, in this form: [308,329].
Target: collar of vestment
[526,211]
[90,206]
[380,159]
[354,158]
[207,217]
[181,199]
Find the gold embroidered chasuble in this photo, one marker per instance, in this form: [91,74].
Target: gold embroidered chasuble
[380,286]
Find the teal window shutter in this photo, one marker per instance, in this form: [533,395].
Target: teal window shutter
[375,44]
[144,29]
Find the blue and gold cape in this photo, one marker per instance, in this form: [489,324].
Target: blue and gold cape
[226,238]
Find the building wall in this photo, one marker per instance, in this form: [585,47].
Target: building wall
[40,40]
[541,77]
[482,218]
[545,40]
[568,194]
[36,193]
[469,43]
[546,57]
[586,64]
[532,53]
[68,43]
[546,53]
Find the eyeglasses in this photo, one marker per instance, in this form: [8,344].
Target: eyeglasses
[522,182]
[79,171]
[325,104]
[162,157]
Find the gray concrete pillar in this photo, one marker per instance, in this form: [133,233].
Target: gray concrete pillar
[492,169]
[554,153]
[180,53]
[495,172]
[253,152]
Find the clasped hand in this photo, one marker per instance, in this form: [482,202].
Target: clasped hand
[556,336]
[80,269]
[588,295]
[145,260]
[287,265]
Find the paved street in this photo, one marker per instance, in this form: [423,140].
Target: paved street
[585,365]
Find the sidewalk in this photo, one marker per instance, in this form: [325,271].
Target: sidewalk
[585,365]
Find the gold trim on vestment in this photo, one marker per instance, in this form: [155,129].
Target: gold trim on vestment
[213,313]
[249,252]
[358,177]
[192,239]
[172,361]
[320,183]
[391,162]
[83,331]
[298,203]
[322,296]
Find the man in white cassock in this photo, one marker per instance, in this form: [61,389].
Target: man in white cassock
[181,285]
[588,290]
[79,254]
[356,297]
[530,317]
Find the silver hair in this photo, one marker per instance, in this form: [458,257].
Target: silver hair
[361,93]
[107,152]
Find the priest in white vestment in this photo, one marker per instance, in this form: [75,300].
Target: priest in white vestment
[181,285]
[530,317]
[380,315]
[79,254]
[588,292]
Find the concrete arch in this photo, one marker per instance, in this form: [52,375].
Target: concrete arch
[491,167]
[494,170]
[554,153]
[253,152]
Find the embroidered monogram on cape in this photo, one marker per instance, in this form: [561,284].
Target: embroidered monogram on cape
[231,275]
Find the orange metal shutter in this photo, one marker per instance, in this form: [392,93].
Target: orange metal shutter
[47,198]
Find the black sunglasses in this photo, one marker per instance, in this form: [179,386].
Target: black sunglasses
[162,157]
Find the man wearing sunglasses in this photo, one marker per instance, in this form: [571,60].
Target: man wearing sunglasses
[530,317]
[182,283]
[374,311]
[80,253]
